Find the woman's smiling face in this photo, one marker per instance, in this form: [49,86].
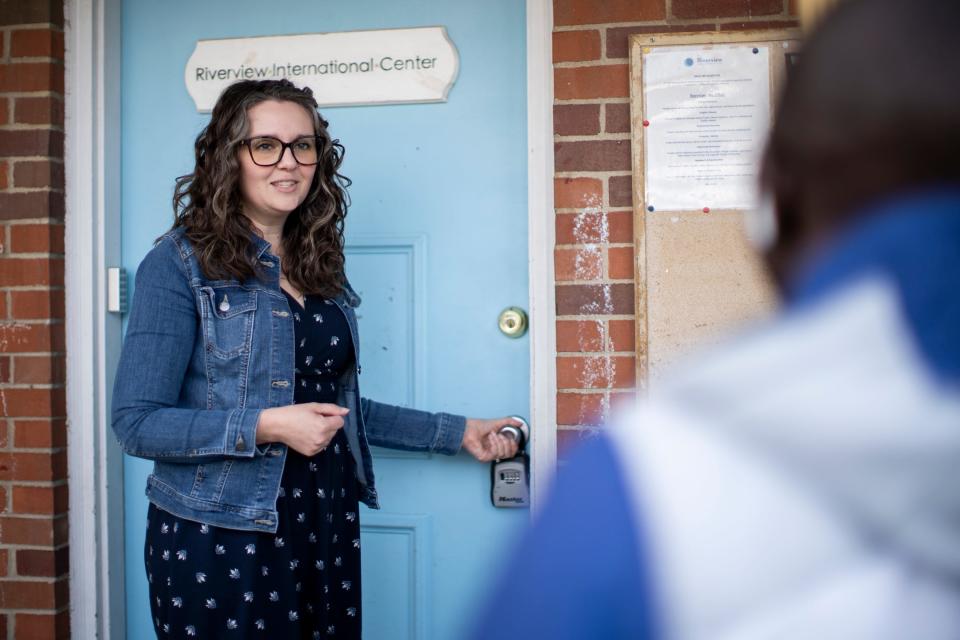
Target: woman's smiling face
[271,193]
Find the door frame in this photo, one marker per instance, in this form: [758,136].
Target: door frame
[92,164]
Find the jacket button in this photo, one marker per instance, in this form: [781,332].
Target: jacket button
[241,444]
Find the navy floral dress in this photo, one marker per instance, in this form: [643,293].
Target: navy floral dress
[303,582]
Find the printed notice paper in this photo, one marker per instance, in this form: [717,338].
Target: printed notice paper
[707,113]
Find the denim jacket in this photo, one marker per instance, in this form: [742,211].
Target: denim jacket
[202,358]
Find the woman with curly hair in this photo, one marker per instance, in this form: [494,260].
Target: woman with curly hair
[238,378]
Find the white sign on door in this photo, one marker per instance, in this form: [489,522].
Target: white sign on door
[387,66]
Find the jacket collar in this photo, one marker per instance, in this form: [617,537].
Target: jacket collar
[912,242]
[261,246]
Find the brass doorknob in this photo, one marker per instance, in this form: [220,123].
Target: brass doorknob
[513,322]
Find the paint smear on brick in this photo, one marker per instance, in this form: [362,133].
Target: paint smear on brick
[592,230]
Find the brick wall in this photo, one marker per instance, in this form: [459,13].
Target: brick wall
[594,220]
[33,487]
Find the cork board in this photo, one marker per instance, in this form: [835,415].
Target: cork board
[697,277]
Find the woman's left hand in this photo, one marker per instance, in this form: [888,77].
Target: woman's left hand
[484,442]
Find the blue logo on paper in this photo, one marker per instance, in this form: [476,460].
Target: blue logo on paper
[688,62]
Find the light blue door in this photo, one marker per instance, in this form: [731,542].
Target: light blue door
[437,246]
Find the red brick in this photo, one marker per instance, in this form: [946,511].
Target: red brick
[582,372]
[34,403]
[592,155]
[584,83]
[620,225]
[4,369]
[33,594]
[38,110]
[595,299]
[4,565]
[725,8]
[576,119]
[40,434]
[4,508]
[625,372]
[32,204]
[621,401]
[621,191]
[4,169]
[618,38]
[579,335]
[18,272]
[36,238]
[3,295]
[579,408]
[42,174]
[27,466]
[36,43]
[792,8]
[31,338]
[4,107]
[40,500]
[569,12]
[576,46]
[35,625]
[32,76]
[31,142]
[575,193]
[43,563]
[595,372]
[33,12]
[39,369]
[621,265]
[616,117]
[37,305]
[581,228]
[594,226]
[578,264]
[622,335]
[42,532]
[755,25]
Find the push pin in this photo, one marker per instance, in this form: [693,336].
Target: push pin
[224,304]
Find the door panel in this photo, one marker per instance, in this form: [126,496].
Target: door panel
[436,247]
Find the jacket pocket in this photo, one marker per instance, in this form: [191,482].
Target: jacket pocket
[227,317]
[210,479]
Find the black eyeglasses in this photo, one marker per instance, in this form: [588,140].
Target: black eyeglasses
[266,151]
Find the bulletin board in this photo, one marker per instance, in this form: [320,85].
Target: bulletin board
[701,106]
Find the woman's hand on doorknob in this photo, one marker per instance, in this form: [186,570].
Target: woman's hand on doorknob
[483,440]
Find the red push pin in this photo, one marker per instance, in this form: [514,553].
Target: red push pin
[646,123]
[706,209]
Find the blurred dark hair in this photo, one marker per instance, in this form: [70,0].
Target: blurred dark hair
[208,205]
[871,110]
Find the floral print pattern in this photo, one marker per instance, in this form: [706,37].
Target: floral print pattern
[304,582]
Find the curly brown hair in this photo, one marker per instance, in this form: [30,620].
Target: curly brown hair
[207,203]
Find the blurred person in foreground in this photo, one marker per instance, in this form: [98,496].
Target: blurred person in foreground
[802,482]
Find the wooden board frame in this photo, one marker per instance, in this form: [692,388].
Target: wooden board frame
[639,42]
